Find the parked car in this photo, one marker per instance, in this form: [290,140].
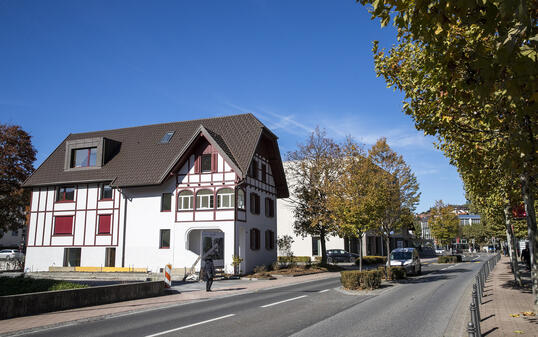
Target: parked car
[340,255]
[440,251]
[407,258]
[11,254]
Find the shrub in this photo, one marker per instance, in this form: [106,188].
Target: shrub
[370,260]
[260,269]
[449,259]
[355,279]
[23,285]
[395,273]
[287,259]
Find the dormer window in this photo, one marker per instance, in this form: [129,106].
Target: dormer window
[206,163]
[86,157]
[167,136]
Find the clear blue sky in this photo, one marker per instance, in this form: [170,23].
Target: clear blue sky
[75,66]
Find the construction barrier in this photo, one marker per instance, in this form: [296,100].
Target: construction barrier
[168,275]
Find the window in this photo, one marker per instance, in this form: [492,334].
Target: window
[164,240]
[240,199]
[167,136]
[269,240]
[264,173]
[206,163]
[204,199]
[254,203]
[104,223]
[254,169]
[225,198]
[65,193]
[184,201]
[63,225]
[72,257]
[106,192]
[315,246]
[254,239]
[86,157]
[166,202]
[110,257]
[269,207]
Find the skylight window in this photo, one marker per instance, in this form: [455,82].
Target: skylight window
[167,136]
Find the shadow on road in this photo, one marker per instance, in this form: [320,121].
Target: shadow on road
[434,275]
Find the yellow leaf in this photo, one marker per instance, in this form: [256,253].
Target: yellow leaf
[518,331]
[439,29]
[514,315]
[528,313]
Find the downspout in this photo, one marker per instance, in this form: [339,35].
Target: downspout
[124,230]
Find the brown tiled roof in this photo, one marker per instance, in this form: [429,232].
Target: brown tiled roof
[143,160]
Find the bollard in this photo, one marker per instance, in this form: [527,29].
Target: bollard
[470,329]
[475,320]
[475,301]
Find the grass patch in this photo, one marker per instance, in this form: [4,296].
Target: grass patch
[24,285]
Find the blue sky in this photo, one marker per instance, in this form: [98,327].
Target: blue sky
[74,66]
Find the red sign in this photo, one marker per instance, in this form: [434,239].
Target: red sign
[518,212]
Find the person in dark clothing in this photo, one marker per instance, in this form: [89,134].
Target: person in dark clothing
[526,257]
[209,272]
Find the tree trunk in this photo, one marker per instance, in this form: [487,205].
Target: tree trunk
[511,246]
[360,252]
[387,245]
[527,184]
[323,248]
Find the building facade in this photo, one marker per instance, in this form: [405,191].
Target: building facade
[148,196]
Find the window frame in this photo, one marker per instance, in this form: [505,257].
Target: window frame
[211,201]
[206,155]
[101,193]
[254,169]
[180,198]
[61,196]
[169,195]
[244,204]
[254,239]
[73,158]
[161,231]
[264,173]
[269,240]
[230,195]
[269,207]
[254,203]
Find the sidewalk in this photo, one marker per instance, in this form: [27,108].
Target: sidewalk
[188,292]
[501,302]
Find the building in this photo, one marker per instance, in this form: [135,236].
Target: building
[311,246]
[13,238]
[143,197]
[469,219]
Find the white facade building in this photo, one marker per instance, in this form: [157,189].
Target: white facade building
[147,196]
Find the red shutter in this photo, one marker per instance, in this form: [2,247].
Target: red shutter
[104,224]
[214,162]
[63,225]
[197,164]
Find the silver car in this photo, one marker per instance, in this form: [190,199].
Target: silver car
[11,254]
[407,258]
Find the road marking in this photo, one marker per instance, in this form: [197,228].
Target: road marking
[289,299]
[190,325]
[322,291]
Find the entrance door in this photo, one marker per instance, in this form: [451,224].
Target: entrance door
[110,257]
[210,240]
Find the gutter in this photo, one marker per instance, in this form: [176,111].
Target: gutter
[124,229]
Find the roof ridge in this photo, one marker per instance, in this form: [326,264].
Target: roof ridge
[177,122]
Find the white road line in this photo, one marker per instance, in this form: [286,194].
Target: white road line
[289,299]
[322,291]
[190,325]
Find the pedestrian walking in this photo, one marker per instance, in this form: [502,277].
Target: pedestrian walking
[209,273]
[526,256]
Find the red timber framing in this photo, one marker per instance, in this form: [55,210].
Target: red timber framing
[47,240]
[216,182]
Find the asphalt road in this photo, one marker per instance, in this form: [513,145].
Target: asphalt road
[419,306]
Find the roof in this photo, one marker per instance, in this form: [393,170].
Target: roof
[143,160]
[469,216]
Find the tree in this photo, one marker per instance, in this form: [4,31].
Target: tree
[444,223]
[396,194]
[16,164]
[350,200]
[313,167]
[468,70]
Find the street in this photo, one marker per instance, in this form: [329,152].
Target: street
[419,306]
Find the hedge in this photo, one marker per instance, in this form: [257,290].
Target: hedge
[369,260]
[24,285]
[286,259]
[395,273]
[356,279]
[449,259]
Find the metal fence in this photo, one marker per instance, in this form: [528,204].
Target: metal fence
[473,327]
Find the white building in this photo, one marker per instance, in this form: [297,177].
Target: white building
[147,196]
[13,238]
[311,246]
